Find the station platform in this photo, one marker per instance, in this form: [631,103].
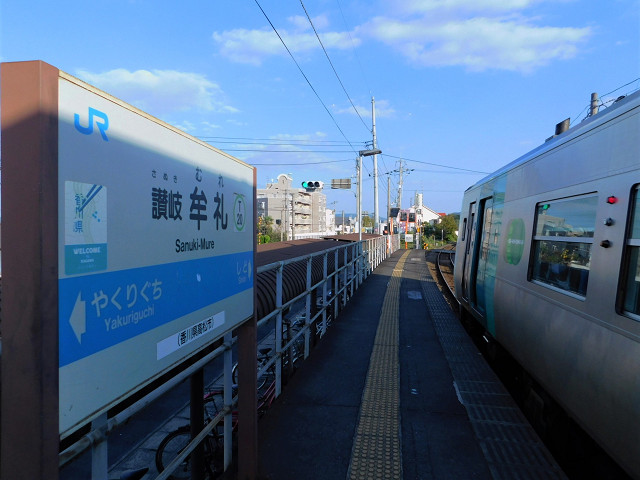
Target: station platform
[397,390]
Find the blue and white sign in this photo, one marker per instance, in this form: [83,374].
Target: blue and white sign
[85,227]
[155,249]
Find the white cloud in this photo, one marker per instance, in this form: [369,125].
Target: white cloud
[253,46]
[383,110]
[248,46]
[471,34]
[161,91]
[302,22]
[460,6]
[476,34]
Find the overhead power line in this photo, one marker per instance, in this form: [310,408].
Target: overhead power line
[303,74]
[332,67]
[355,53]
[279,144]
[276,143]
[437,164]
[304,163]
[604,103]
[283,151]
[289,141]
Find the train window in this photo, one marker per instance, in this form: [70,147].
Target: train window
[562,243]
[632,285]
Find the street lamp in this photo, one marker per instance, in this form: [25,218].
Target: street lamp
[369,153]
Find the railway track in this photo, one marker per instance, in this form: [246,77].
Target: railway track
[441,265]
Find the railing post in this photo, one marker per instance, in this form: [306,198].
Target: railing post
[356,269]
[336,284]
[278,341]
[374,254]
[324,293]
[356,266]
[361,263]
[345,270]
[307,311]
[365,262]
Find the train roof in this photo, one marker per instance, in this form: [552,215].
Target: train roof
[620,106]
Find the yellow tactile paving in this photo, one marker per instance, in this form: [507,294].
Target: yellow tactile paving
[377,453]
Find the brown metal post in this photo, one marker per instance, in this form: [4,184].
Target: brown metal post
[30,430]
[247,381]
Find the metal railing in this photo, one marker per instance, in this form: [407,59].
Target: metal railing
[353,263]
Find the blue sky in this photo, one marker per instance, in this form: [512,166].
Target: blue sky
[461,86]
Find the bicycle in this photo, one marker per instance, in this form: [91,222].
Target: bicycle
[290,330]
[176,441]
[264,355]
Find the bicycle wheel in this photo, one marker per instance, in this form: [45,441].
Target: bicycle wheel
[234,374]
[213,405]
[171,446]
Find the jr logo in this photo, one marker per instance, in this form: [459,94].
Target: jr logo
[101,120]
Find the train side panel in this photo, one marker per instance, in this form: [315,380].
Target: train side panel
[541,267]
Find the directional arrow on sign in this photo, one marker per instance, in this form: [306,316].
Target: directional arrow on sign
[78,320]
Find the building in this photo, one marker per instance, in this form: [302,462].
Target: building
[424,213]
[296,213]
[408,220]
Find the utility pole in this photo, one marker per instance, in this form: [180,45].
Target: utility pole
[400,188]
[293,219]
[285,206]
[389,222]
[375,168]
[359,202]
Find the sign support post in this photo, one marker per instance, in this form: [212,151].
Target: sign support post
[128,245]
[29,433]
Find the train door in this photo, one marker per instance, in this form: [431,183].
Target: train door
[480,287]
[468,249]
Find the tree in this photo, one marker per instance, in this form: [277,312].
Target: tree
[445,230]
[449,224]
[265,229]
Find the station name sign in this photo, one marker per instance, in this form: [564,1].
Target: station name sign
[155,241]
[155,248]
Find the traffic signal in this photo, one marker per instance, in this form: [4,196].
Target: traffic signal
[311,185]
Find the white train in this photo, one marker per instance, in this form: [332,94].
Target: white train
[548,261]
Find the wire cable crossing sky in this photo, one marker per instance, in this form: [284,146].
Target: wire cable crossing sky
[462,87]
